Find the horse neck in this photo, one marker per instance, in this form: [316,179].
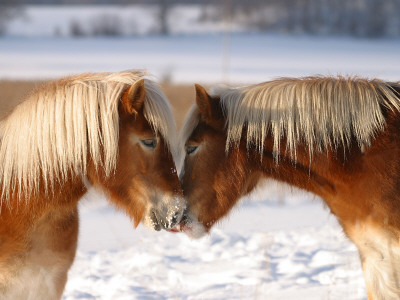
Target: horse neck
[351,181]
[32,206]
[315,172]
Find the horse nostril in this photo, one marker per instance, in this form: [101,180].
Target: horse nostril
[154,219]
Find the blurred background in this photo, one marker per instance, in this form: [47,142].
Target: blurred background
[363,18]
[198,41]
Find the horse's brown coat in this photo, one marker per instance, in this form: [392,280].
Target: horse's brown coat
[361,186]
[39,230]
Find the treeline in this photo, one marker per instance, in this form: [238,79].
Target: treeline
[371,18]
[365,18]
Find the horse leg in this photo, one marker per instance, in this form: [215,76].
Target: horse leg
[379,251]
[40,272]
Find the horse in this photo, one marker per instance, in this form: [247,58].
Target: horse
[336,137]
[111,131]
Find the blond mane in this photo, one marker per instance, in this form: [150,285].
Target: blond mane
[62,124]
[321,112]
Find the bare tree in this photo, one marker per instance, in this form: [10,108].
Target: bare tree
[107,25]
[76,29]
[376,18]
[9,9]
[164,7]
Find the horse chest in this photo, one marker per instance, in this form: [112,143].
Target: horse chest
[40,275]
[37,267]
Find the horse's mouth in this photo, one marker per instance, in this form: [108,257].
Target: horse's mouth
[180,227]
[190,226]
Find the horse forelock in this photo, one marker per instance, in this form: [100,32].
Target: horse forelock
[321,112]
[52,132]
[191,120]
[157,112]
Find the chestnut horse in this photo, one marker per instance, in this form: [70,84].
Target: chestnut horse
[338,138]
[113,131]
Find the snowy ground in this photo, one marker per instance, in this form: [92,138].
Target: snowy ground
[201,58]
[275,245]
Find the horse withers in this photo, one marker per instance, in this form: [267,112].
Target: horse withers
[113,131]
[336,137]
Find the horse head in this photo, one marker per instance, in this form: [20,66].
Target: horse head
[144,182]
[212,179]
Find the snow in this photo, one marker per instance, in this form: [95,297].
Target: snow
[278,244]
[200,58]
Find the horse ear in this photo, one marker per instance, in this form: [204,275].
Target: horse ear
[204,103]
[133,97]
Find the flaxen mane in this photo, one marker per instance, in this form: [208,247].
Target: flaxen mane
[60,125]
[322,112]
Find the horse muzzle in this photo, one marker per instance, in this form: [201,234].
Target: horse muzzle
[180,226]
[190,226]
[158,222]
[166,214]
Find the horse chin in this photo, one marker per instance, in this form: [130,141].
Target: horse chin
[190,226]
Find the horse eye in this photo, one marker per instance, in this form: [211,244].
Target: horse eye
[149,143]
[190,149]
